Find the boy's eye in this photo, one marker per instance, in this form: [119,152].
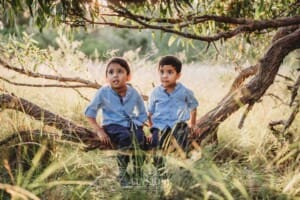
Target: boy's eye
[110,72]
[120,71]
[170,72]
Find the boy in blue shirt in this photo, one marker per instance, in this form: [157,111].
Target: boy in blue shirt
[122,108]
[170,105]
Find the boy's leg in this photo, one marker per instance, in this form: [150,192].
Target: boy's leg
[120,136]
[123,176]
[138,154]
[138,159]
[181,133]
[158,159]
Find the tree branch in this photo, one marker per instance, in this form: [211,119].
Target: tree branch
[250,26]
[250,106]
[286,123]
[50,77]
[85,83]
[44,85]
[243,75]
[295,89]
[68,128]
[252,91]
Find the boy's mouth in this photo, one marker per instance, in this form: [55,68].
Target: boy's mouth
[115,81]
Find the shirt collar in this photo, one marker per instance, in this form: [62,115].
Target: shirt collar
[128,91]
[177,87]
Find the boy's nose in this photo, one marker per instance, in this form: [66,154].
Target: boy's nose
[164,75]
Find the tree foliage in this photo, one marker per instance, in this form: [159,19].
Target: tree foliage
[196,19]
[207,21]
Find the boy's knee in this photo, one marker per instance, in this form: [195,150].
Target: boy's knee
[140,134]
[155,137]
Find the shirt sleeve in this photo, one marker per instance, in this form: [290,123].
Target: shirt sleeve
[151,103]
[142,114]
[192,102]
[92,109]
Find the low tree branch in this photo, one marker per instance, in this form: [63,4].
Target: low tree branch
[273,124]
[276,97]
[249,108]
[85,83]
[295,89]
[285,77]
[291,117]
[254,89]
[286,123]
[68,128]
[244,74]
[44,85]
[50,77]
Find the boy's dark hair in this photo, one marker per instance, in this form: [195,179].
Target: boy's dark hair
[171,60]
[120,61]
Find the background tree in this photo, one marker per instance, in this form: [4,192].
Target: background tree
[197,20]
[35,162]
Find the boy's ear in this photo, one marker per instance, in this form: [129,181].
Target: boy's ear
[178,75]
[129,77]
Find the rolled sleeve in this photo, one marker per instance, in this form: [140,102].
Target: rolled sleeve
[142,116]
[92,109]
[151,104]
[192,102]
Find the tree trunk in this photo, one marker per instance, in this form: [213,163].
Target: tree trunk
[251,92]
[70,130]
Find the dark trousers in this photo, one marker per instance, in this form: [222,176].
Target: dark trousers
[161,140]
[127,138]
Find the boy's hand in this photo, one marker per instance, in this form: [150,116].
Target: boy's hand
[149,139]
[194,130]
[103,137]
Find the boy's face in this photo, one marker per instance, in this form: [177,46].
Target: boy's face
[117,76]
[168,76]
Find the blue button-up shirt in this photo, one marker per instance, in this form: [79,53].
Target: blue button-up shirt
[168,109]
[116,109]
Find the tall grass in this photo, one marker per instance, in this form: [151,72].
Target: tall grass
[247,163]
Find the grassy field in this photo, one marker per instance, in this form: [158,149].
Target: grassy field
[247,163]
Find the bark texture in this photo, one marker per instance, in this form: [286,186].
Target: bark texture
[248,94]
[70,130]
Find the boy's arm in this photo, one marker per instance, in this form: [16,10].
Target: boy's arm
[99,130]
[142,116]
[150,119]
[193,117]
[149,137]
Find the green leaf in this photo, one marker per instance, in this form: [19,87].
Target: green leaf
[171,40]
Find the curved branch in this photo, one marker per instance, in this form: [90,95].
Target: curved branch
[286,123]
[68,128]
[250,26]
[295,90]
[176,25]
[252,91]
[44,85]
[244,74]
[85,83]
[50,77]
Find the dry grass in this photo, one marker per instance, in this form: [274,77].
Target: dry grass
[210,83]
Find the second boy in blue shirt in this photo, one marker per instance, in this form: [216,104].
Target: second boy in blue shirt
[170,104]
